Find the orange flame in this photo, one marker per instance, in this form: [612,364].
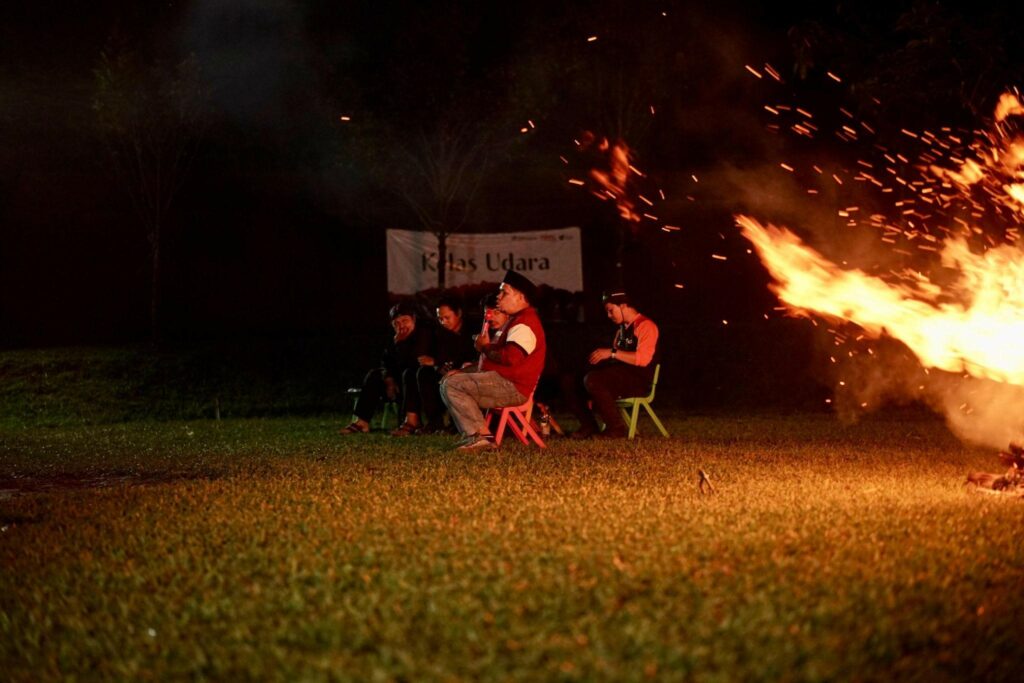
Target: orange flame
[615,181]
[999,168]
[973,326]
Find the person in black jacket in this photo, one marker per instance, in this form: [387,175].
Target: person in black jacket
[395,379]
[454,349]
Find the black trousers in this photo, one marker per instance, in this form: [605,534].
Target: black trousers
[428,383]
[602,385]
[373,394]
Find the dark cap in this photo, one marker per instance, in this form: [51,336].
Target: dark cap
[403,308]
[522,283]
[617,297]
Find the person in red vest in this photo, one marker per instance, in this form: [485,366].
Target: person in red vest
[511,363]
[624,369]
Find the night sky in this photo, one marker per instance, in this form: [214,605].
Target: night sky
[278,225]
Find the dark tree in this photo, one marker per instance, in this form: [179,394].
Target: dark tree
[432,114]
[152,116]
[603,76]
[435,170]
[926,61]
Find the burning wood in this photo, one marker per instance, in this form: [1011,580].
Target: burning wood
[704,484]
[1012,481]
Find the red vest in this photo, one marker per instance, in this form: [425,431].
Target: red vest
[526,373]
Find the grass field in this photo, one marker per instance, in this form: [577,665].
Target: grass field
[275,549]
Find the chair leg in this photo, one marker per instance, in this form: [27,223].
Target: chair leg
[555,427]
[528,433]
[500,431]
[628,416]
[517,423]
[657,422]
[386,410]
[634,418]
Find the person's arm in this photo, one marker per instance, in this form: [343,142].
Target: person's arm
[647,343]
[602,354]
[519,342]
[504,354]
[467,353]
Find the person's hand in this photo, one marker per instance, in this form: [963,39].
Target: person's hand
[425,360]
[390,388]
[599,355]
[483,340]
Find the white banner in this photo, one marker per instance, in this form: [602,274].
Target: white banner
[547,257]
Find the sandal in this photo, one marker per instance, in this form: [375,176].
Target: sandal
[405,429]
[353,428]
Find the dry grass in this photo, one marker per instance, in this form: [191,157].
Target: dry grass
[274,549]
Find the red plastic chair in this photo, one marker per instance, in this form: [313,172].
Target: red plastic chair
[517,418]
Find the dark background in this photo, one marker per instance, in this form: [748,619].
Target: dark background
[278,230]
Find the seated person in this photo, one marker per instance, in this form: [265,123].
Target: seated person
[623,370]
[510,365]
[395,379]
[454,350]
[494,317]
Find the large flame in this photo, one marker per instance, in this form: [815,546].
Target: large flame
[974,326]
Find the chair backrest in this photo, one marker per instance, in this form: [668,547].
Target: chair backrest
[654,382]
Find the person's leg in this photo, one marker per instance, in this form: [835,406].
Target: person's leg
[609,383]
[466,393]
[427,380]
[369,399]
[575,395]
[410,405]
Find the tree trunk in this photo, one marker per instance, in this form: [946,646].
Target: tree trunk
[442,259]
[154,286]
[620,255]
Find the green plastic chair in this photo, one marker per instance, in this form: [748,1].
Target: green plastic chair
[634,403]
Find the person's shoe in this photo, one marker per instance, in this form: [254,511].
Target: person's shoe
[467,438]
[354,428]
[480,442]
[405,430]
[612,433]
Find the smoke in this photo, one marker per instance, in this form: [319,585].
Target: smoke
[774,195]
[977,411]
[253,55]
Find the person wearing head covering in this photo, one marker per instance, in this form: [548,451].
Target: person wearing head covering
[622,370]
[511,362]
[453,349]
[395,379]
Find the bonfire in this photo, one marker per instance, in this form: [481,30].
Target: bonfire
[1011,482]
